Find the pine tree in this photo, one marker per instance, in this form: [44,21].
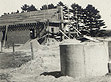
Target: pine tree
[28,8]
[89,18]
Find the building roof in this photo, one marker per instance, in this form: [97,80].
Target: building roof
[30,17]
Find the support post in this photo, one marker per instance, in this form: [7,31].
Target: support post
[48,32]
[61,21]
[32,53]
[1,46]
[69,33]
[61,18]
[6,30]
[13,47]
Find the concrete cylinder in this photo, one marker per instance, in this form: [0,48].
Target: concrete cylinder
[72,60]
[84,59]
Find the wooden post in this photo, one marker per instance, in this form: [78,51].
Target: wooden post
[69,33]
[1,46]
[48,32]
[61,18]
[13,47]
[61,21]
[32,53]
[6,30]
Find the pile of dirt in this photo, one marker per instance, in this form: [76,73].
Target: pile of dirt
[32,68]
[45,59]
[27,45]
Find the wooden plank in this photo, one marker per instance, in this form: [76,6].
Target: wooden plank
[64,34]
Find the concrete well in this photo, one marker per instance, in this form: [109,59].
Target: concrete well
[84,59]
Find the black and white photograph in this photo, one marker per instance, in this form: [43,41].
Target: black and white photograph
[55,41]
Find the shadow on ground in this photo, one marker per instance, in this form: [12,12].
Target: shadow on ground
[56,74]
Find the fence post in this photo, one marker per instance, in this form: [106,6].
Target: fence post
[1,46]
[13,47]
[32,53]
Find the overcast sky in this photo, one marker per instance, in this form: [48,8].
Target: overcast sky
[104,6]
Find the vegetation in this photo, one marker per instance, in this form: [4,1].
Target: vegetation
[87,19]
[50,6]
[27,8]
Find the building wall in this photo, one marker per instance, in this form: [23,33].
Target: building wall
[18,37]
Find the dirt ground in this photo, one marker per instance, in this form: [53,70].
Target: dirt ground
[45,67]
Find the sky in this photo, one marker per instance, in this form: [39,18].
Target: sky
[104,6]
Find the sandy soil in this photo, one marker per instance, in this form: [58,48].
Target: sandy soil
[45,67]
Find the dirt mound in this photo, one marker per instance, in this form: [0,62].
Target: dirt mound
[32,68]
[27,45]
[45,59]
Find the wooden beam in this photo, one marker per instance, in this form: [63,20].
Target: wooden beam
[64,34]
[6,31]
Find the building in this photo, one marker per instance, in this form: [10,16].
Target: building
[20,27]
